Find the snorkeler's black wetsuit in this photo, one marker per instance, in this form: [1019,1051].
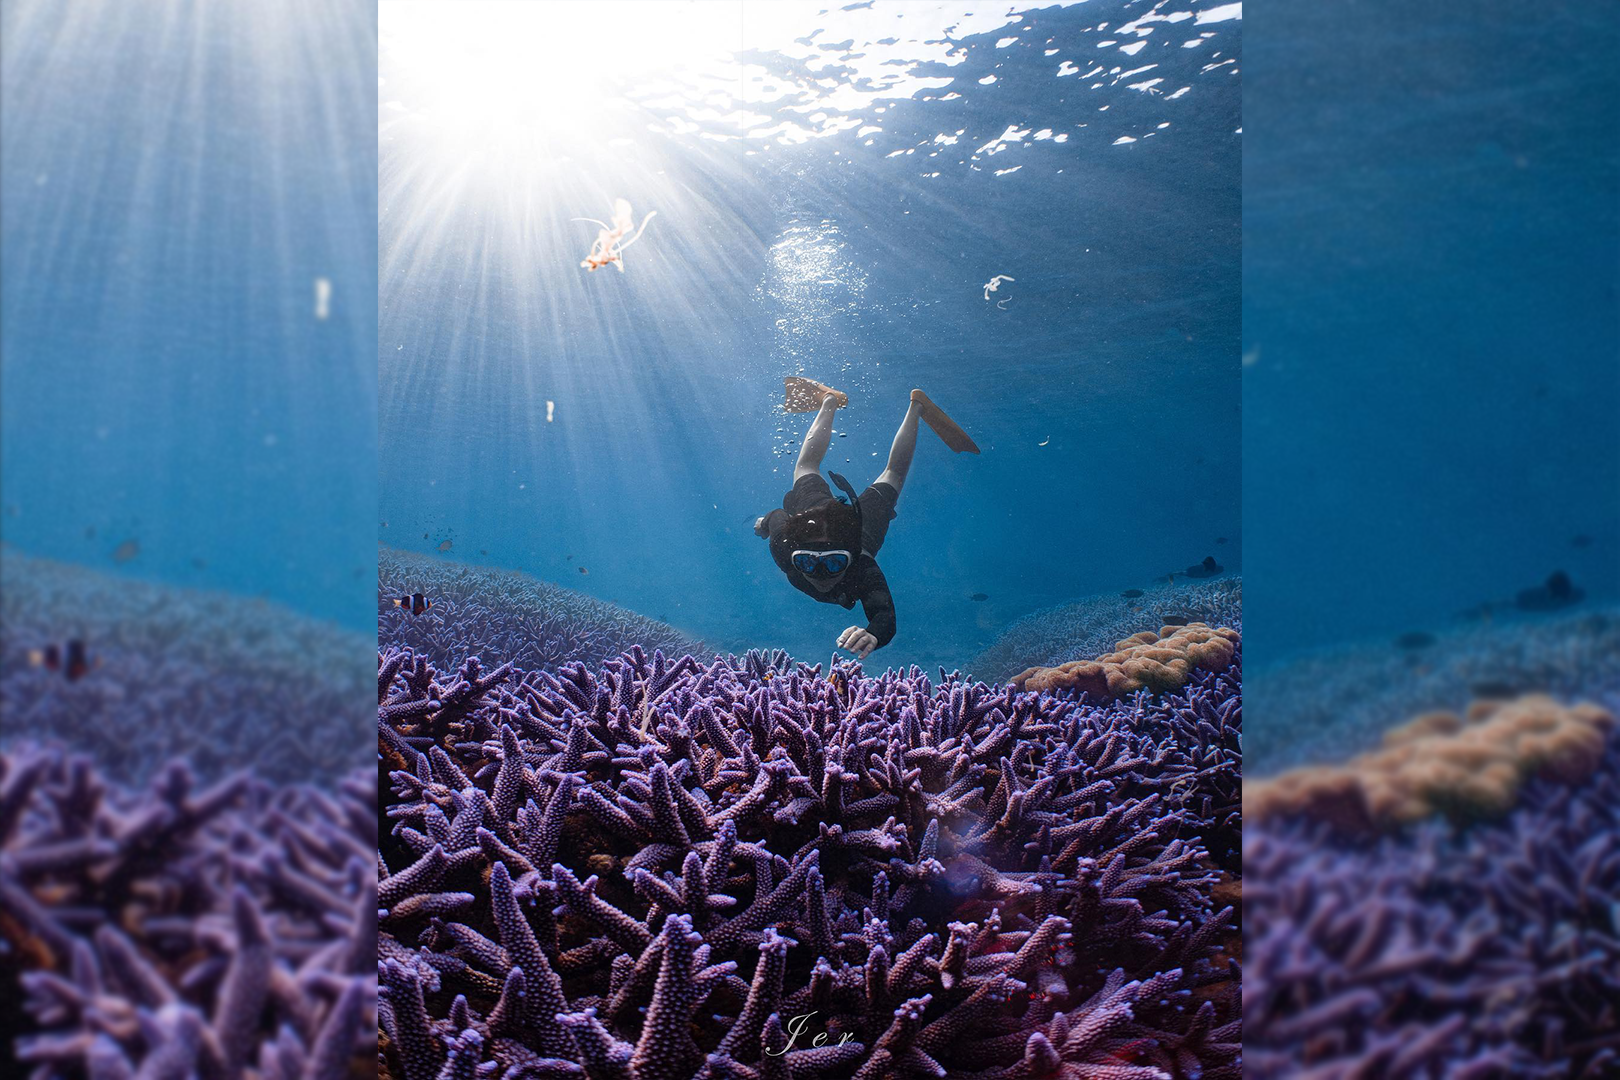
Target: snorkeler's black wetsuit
[863,580]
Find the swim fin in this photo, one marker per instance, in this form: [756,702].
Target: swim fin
[946,428]
[804,395]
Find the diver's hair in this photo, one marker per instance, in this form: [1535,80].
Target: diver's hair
[832,524]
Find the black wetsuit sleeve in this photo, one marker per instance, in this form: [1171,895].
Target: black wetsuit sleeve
[773,523]
[878,604]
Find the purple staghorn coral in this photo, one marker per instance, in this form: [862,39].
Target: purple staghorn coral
[1482,953]
[183,931]
[534,624]
[223,681]
[666,870]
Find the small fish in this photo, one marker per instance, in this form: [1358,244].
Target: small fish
[570,558]
[481,551]
[424,536]
[1176,620]
[415,604]
[1413,640]
[979,597]
[582,569]
[69,658]
[1131,594]
[1208,568]
[385,524]
[126,551]
[1220,539]
[445,546]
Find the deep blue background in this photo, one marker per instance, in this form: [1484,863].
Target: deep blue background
[1431,242]
[1119,347]
[174,177]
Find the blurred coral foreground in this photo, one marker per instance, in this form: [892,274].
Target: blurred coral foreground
[1446,906]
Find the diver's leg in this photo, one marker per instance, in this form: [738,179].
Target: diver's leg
[816,439]
[902,449]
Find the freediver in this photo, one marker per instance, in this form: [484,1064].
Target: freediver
[827,545]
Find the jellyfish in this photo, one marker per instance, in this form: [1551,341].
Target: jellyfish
[611,242]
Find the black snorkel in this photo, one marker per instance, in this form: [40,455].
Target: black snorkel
[848,489]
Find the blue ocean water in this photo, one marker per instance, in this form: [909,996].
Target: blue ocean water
[833,190]
[175,182]
[1431,398]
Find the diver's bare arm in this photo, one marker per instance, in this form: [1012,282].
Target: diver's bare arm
[816,440]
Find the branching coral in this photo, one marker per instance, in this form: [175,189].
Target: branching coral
[1482,953]
[533,623]
[1462,766]
[665,869]
[1145,661]
[184,931]
[219,680]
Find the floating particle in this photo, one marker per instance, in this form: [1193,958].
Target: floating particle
[995,283]
[1044,441]
[551,407]
[323,298]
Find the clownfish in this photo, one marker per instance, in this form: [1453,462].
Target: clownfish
[415,603]
[69,658]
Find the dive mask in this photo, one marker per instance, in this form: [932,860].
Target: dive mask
[821,564]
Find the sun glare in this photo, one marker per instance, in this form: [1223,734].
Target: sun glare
[499,73]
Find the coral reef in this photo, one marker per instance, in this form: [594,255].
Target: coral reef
[1329,705]
[505,614]
[1485,952]
[1092,626]
[1146,661]
[224,681]
[1464,767]
[665,869]
[180,930]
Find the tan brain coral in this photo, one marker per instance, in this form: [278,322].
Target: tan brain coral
[1462,767]
[1145,661]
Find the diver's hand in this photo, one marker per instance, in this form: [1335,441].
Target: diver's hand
[858,640]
